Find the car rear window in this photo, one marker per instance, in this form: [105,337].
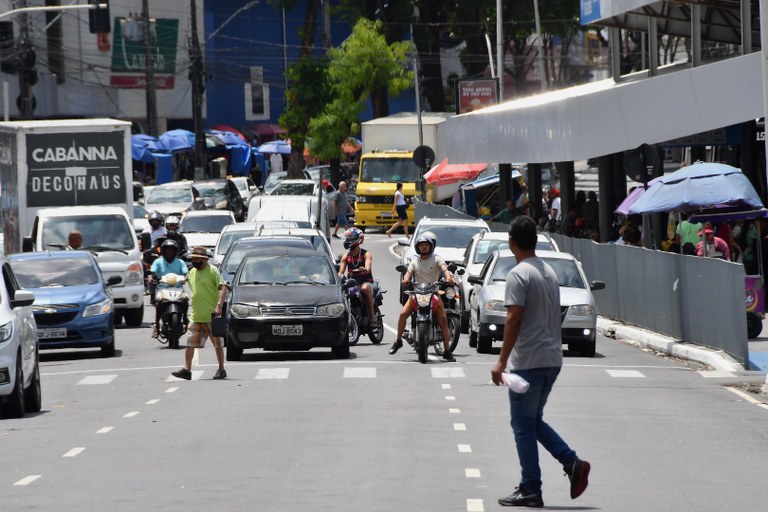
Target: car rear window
[452,236]
[46,273]
[205,223]
[293,189]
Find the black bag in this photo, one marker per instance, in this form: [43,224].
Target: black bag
[219,327]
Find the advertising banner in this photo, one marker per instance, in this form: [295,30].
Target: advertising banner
[9,196]
[129,52]
[476,94]
[76,169]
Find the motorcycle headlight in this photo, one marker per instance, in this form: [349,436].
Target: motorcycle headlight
[495,305]
[335,309]
[581,310]
[6,330]
[245,311]
[423,300]
[100,308]
[450,293]
[135,274]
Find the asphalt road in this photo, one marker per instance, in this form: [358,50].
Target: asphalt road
[302,431]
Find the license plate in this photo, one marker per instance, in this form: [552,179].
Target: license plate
[386,215]
[47,334]
[288,330]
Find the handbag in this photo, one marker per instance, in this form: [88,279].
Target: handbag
[219,327]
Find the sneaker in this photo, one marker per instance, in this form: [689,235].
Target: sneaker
[395,347]
[221,373]
[447,356]
[522,498]
[155,332]
[183,374]
[578,475]
[335,236]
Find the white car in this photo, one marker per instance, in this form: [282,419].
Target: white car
[300,188]
[140,218]
[20,389]
[304,210]
[578,311]
[176,198]
[229,235]
[247,188]
[204,228]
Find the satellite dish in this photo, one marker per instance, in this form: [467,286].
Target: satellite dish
[642,164]
[424,156]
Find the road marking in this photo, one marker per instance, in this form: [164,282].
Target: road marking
[390,329]
[454,411]
[450,397]
[465,448]
[716,374]
[475,505]
[92,380]
[459,426]
[746,396]
[131,414]
[626,374]
[27,480]
[446,386]
[153,401]
[472,473]
[171,390]
[272,373]
[359,373]
[196,374]
[447,373]
[104,430]
[74,452]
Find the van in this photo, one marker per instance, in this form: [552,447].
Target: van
[301,209]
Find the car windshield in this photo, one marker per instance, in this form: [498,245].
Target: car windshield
[486,247]
[568,274]
[293,189]
[43,273]
[241,185]
[451,236]
[502,267]
[230,237]
[139,212]
[273,180]
[160,195]
[211,189]
[389,170]
[205,223]
[100,232]
[282,270]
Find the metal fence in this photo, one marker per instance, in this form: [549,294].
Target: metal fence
[699,300]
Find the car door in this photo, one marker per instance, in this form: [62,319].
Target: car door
[24,323]
[475,297]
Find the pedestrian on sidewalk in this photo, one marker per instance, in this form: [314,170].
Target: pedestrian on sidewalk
[533,350]
[399,205]
[342,209]
[209,291]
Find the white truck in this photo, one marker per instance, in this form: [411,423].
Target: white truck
[73,174]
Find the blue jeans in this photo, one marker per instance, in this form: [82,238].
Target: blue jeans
[529,427]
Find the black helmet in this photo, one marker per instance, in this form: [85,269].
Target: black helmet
[169,244]
[155,216]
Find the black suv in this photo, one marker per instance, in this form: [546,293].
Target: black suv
[224,195]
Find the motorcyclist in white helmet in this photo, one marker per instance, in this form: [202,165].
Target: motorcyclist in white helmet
[172,233]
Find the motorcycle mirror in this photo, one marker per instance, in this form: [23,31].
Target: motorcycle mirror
[401,268]
[349,283]
[452,267]
[460,271]
[146,241]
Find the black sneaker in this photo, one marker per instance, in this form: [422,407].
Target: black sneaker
[183,374]
[578,474]
[221,373]
[522,498]
[395,347]
[447,356]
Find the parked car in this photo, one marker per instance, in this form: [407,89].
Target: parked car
[273,180]
[140,218]
[176,198]
[204,228]
[302,188]
[246,187]
[20,389]
[286,298]
[73,305]
[577,305]
[229,235]
[477,253]
[240,248]
[225,196]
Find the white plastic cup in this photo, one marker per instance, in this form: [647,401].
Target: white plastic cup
[515,382]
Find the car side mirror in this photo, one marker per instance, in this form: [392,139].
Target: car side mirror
[401,268]
[460,271]
[403,241]
[114,280]
[27,244]
[452,267]
[597,285]
[22,298]
[475,280]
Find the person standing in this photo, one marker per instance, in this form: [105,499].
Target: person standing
[341,206]
[275,163]
[400,206]
[533,350]
[208,294]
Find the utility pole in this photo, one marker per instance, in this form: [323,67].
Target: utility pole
[149,71]
[198,88]
[27,72]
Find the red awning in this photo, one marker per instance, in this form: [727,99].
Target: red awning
[445,173]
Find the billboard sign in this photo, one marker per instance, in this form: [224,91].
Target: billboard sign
[476,94]
[129,52]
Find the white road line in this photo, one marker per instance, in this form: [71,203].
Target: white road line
[27,480]
[196,374]
[74,452]
[716,374]
[746,396]
[272,373]
[475,505]
[359,373]
[472,473]
[454,411]
[446,386]
[459,426]
[171,390]
[390,329]
[131,414]
[104,430]
[450,372]
[450,398]
[625,374]
[465,448]
[92,380]
[153,401]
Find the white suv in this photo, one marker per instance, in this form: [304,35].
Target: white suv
[20,390]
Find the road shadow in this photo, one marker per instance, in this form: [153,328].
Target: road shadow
[258,356]
[74,354]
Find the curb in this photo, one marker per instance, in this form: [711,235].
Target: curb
[716,359]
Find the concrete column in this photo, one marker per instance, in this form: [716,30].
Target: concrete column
[605,195]
[534,190]
[614,44]
[505,184]
[619,180]
[696,34]
[653,47]
[746,26]
[567,185]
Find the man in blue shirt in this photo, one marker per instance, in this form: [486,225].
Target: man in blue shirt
[168,264]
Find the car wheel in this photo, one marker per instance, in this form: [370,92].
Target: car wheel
[342,351]
[118,317]
[16,406]
[134,317]
[484,344]
[33,395]
[233,353]
[108,350]
[586,349]
[754,325]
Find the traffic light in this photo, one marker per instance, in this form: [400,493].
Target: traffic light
[8,61]
[98,18]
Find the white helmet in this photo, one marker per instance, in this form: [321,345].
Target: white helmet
[428,237]
[172,220]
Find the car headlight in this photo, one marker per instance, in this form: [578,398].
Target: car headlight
[362,199]
[245,311]
[422,299]
[6,330]
[495,305]
[100,308]
[581,310]
[135,274]
[450,293]
[335,309]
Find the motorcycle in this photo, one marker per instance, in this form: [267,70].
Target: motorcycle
[425,330]
[173,316]
[359,321]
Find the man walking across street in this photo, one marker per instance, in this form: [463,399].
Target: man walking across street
[208,294]
[341,205]
[533,349]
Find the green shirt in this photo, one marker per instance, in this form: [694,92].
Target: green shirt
[689,233]
[204,285]
[504,216]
